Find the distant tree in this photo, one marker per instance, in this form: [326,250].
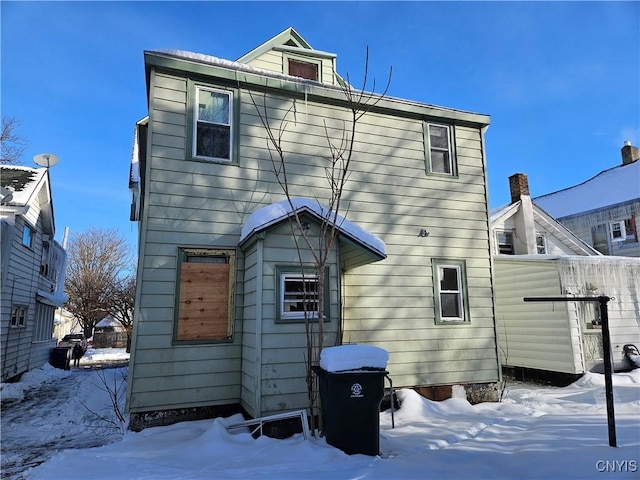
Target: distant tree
[122,302]
[98,262]
[12,143]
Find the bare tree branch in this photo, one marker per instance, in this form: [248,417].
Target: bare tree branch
[12,143]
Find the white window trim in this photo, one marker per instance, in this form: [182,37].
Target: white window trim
[463,297]
[32,233]
[449,149]
[544,244]
[284,276]
[21,320]
[622,229]
[194,140]
[497,240]
[301,59]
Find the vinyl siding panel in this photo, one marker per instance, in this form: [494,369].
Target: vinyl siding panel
[535,335]
[205,204]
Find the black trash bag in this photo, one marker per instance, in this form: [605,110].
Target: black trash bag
[632,354]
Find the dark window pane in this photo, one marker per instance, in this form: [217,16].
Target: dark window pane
[438,137]
[440,161]
[449,279]
[213,141]
[450,305]
[303,69]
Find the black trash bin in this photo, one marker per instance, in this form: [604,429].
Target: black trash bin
[350,403]
[61,358]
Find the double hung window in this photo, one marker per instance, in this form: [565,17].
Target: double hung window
[213,136]
[18,316]
[439,149]
[450,291]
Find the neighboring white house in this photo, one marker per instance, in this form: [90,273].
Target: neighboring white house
[218,317]
[604,211]
[536,256]
[33,270]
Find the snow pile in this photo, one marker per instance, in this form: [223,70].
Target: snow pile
[276,212]
[536,432]
[353,357]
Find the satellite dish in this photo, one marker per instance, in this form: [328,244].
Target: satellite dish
[46,159]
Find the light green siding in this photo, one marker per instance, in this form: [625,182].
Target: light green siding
[388,303]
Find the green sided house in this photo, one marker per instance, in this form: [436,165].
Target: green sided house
[218,320]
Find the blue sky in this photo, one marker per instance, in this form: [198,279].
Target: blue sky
[561,81]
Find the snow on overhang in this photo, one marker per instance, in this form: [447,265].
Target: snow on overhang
[358,247]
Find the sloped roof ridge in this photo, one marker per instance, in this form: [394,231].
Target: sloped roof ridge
[282,38]
[583,183]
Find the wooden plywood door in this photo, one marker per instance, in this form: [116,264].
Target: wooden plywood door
[204,301]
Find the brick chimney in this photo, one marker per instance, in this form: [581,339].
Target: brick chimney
[519,185]
[630,153]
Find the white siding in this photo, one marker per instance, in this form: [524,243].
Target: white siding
[542,336]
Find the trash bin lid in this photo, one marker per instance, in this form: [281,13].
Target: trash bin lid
[353,357]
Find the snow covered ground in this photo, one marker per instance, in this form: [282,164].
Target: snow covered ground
[536,432]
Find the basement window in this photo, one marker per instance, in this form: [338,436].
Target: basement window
[205,295]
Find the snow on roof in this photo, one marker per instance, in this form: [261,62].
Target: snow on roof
[270,215]
[108,321]
[610,187]
[221,62]
[23,180]
[353,357]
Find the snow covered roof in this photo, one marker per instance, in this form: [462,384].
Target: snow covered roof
[271,215]
[610,187]
[20,184]
[22,187]
[108,321]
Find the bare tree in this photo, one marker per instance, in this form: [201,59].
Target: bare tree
[122,303]
[337,169]
[98,260]
[13,144]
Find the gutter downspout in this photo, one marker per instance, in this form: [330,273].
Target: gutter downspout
[257,379]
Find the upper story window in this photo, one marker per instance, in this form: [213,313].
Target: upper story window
[450,291]
[27,236]
[618,231]
[504,243]
[541,244]
[18,316]
[302,69]
[439,149]
[213,124]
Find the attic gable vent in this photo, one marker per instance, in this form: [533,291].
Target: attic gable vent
[301,69]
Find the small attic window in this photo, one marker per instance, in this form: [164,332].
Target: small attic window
[298,68]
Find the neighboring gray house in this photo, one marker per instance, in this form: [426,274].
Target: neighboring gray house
[604,211]
[536,256]
[33,270]
[217,317]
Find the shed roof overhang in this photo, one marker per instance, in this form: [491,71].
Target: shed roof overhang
[357,246]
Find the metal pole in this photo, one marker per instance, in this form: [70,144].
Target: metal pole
[606,352]
[608,370]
